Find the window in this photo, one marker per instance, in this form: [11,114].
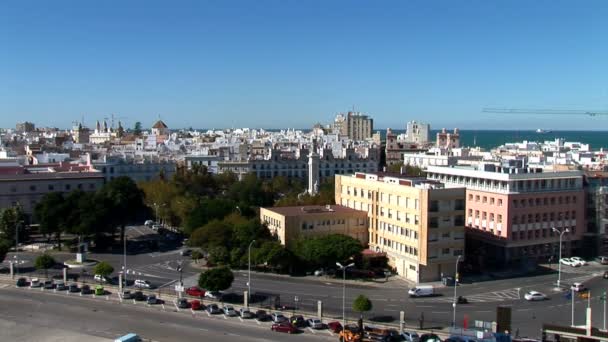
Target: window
[499,218]
[500,202]
[477,198]
[445,251]
[412,267]
[51,187]
[470,197]
[485,199]
[492,200]
[32,187]
[445,235]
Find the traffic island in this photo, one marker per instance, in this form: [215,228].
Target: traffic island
[75,264]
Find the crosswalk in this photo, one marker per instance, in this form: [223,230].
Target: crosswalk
[158,270]
[494,296]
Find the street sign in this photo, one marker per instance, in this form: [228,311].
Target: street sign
[179,288]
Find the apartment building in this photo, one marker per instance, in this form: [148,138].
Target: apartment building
[418,223]
[595,239]
[292,223]
[355,125]
[511,212]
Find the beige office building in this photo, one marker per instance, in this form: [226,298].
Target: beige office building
[292,223]
[418,223]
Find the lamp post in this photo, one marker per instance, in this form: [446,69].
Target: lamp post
[124,259]
[249,273]
[343,268]
[17,226]
[455,284]
[559,265]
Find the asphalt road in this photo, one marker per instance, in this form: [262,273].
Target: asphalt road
[388,300]
[109,319]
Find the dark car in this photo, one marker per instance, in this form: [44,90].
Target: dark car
[139,296]
[182,303]
[213,309]
[429,338]
[262,316]
[297,321]
[21,282]
[48,285]
[86,289]
[284,327]
[152,300]
[605,274]
[334,326]
[73,288]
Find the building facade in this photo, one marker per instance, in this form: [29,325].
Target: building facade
[292,223]
[511,212]
[418,223]
[448,140]
[595,240]
[356,126]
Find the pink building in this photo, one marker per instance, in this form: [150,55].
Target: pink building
[511,212]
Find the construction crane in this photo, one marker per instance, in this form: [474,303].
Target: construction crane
[544,111]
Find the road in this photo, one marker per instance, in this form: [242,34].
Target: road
[389,299]
[109,319]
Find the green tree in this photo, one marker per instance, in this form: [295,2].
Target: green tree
[196,255]
[216,279]
[12,219]
[44,262]
[218,255]
[213,234]
[104,269]
[273,255]
[5,246]
[124,199]
[362,304]
[137,129]
[327,250]
[52,213]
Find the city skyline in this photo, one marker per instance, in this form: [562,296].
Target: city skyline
[281,64]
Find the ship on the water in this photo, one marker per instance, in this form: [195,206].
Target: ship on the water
[542,131]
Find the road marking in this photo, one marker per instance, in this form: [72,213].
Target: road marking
[483,311]
[192,310]
[329,332]
[208,314]
[224,316]
[241,318]
[523,309]
[134,301]
[311,330]
[176,307]
[163,305]
[439,312]
[258,322]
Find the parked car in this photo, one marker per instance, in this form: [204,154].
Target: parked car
[157,226]
[152,300]
[35,282]
[229,311]
[49,285]
[139,296]
[186,252]
[85,289]
[195,305]
[319,272]
[284,327]
[568,262]
[21,282]
[195,291]
[578,287]
[297,320]
[142,284]
[410,336]
[602,260]
[336,327]
[60,285]
[213,309]
[534,296]
[262,316]
[182,303]
[73,288]
[245,313]
[127,295]
[429,338]
[101,279]
[579,260]
[99,290]
[315,323]
[278,317]
[605,274]
[149,223]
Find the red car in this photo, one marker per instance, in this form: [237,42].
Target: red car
[284,327]
[195,291]
[334,326]
[195,305]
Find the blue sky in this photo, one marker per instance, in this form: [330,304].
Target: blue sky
[288,63]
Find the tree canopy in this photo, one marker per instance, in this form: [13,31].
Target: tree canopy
[216,279]
[10,219]
[362,304]
[44,262]
[103,268]
[325,251]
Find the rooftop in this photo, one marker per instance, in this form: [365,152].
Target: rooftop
[313,210]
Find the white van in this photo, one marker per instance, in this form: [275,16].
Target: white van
[421,291]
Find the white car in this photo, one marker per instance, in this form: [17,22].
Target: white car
[579,260]
[142,284]
[101,279]
[569,262]
[578,287]
[229,311]
[535,295]
[315,323]
[213,294]
[35,282]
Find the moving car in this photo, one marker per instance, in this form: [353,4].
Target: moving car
[534,296]
[245,313]
[195,291]
[182,303]
[581,261]
[213,309]
[605,275]
[578,287]
[142,284]
[229,311]
[278,317]
[35,282]
[21,282]
[336,327]
[569,262]
[315,323]
[284,327]
[421,291]
[602,260]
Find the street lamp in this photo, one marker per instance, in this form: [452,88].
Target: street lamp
[455,284]
[249,274]
[559,266]
[343,268]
